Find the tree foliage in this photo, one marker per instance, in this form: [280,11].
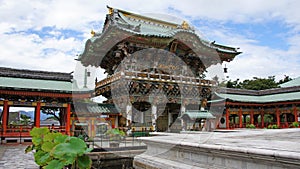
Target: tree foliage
[256,83]
[57,113]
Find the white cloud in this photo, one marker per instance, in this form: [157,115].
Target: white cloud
[27,51]
[263,61]
[23,50]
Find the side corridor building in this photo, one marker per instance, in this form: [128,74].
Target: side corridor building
[279,106]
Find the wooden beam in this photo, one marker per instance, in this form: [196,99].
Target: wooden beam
[45,94]
[261,104]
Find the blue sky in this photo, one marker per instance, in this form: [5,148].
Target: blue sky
[48,35]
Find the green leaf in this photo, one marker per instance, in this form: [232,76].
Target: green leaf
[39,132]
[88,150]
[39,157]
[28,149]
[48,146]
[55,164]
[75,146]
[68,159]
[60,139]
[84,162]
[43,160]
[51,136]
[37,140]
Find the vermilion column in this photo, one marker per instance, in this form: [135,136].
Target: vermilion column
[240,118]
[251,117]
[68,119]
[227,118]
[262,119]
[295,114]
[38,114]
[5,116]
[278,116]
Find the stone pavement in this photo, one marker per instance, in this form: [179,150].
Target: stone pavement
[245,148]
[14,157]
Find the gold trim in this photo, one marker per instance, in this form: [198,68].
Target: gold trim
[93,33]
[185,25]
[110,11]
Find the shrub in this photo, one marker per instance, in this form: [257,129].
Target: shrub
[55,150]
[251,126]
[295,125]
[115,134]
[274,126]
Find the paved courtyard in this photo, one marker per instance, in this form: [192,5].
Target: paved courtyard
[244,148]
[13,157]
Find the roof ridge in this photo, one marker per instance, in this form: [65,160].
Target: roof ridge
[127,13]
[35,74]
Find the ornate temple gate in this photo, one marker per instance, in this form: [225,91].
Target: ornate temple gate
[154,68]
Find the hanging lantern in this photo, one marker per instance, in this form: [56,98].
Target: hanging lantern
[225,69]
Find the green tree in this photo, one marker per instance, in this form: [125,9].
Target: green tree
[256,83]
[58,113]
[259,83]
[285,79]
[24,120]
[233,84]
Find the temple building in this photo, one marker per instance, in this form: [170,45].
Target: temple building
[155,81]
[54,92]
[37,90]
[279,106]
[155,70]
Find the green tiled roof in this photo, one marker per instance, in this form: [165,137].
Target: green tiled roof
[263,98]
[197,114]
[294,82]
[121,24]
[147,28]
[35,84]
[95,108]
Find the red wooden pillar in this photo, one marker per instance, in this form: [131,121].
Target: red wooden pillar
[227,118]
[68,119]
[5,116]
[278,116]
[295,114]
[285,120]
[38,114]
[251,117]
[240,118]
[262,119]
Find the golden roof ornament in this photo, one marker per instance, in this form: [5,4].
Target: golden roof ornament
[110,11]
[185,25]
[93,33]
